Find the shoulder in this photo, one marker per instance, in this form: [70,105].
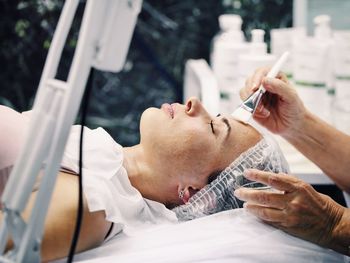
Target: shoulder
[101,152]
[61,218]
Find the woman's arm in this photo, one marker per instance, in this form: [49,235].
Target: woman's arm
[61,218]
[324,145]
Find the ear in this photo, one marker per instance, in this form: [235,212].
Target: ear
[186,194]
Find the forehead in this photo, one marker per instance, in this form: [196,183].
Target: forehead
[238,137]
[225,130]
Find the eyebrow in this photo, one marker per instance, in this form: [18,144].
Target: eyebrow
[225,120]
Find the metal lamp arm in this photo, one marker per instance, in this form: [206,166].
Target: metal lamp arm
[55,109]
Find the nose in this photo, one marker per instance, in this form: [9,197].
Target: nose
[194,107]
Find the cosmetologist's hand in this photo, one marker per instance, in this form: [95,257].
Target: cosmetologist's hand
[296,208]
[281,110]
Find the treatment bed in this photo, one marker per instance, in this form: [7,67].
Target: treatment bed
[229,236]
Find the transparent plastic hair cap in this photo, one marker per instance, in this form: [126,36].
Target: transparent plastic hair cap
[218,195]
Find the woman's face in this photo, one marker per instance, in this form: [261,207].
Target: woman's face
[186,144]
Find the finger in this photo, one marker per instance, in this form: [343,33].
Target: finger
[251,84]
[282,182]
[282,76]
[262,198]
[261,112]
[265,213]
[248,83]
[249,88]
[263,115]
[258,76]
[244,93]
[280,88]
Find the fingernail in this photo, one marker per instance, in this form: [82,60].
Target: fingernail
[260,108]
[265,112]
[245,205]
[247,173]
[237,193]
[268,81]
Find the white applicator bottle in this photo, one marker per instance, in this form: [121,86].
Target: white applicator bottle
[312,68]
[226,47]
[257,57]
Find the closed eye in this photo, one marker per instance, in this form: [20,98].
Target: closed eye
[212,126]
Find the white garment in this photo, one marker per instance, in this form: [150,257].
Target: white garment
[106,184]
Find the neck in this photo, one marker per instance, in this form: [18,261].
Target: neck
[143,176]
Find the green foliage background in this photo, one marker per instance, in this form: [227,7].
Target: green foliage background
[168,32]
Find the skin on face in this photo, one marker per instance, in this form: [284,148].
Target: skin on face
[184,144]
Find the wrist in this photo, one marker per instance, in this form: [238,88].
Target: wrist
[297,129]
[340,235]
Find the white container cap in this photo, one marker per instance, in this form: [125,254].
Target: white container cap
[322,27]
[230,22]
[322,19]
[258,46]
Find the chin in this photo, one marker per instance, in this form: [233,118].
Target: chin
[149,117]
[149,123]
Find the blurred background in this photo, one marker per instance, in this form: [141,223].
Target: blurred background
[168,33]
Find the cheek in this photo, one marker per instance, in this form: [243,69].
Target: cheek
[196,150]
[185,147]
[178,145]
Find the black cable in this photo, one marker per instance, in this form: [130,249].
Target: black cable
[84,109]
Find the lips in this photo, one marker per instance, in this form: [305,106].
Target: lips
[169,109]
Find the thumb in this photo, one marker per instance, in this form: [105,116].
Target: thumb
[276,86]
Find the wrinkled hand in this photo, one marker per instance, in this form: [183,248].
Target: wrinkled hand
[296,208]
[281,110]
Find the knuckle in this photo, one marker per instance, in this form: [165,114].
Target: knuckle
[304,187]
[291,221]
[282,76]
[263,213]
[263,198]
[273,179]
[296,207]
[307,186]
[300,185]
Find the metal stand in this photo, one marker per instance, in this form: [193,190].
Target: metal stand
[104,40]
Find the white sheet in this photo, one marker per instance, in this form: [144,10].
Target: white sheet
[231,236]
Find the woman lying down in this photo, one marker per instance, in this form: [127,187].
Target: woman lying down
[187,161]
